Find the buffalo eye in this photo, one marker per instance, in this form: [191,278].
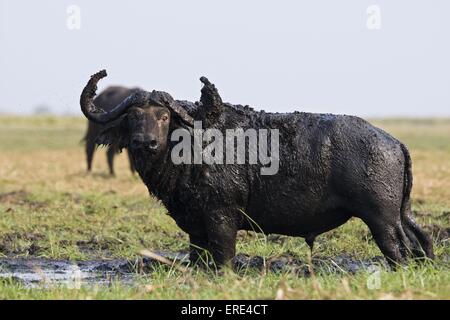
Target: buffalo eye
[164,118]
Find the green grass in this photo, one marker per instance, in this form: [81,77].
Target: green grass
[413,282]
[50,208]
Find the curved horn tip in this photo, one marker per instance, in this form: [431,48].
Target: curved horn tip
[99,75]
[205,80]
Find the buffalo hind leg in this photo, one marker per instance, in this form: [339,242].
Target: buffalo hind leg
[422,244]
[388,237]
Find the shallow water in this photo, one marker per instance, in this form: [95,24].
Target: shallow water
[33,272]
[37,272]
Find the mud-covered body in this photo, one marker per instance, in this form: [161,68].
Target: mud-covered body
[331,168]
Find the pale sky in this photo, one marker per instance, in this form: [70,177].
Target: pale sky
[316,56]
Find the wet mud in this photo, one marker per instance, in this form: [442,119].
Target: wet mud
[342,264]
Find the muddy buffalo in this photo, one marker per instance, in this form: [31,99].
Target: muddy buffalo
[106,100]
[331,168]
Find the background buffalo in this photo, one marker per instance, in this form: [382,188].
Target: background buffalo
[106,100]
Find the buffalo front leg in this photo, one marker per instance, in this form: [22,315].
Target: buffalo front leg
[222,232]
[110,155]
[132,168]
[198,249]
[90,150]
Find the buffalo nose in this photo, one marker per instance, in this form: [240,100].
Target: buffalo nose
[153,144]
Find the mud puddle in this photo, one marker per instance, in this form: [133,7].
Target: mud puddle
[37,272]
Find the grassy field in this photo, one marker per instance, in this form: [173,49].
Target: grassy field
[50,208]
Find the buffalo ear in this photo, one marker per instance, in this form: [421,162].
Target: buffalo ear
[115,134]
[211,106]
[182,114]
